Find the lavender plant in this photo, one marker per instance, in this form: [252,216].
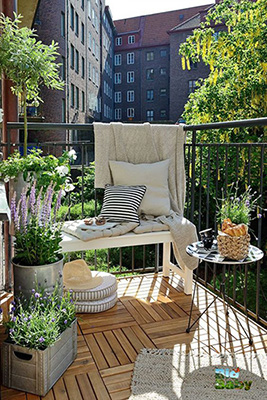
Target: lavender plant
[37,229]
[239,208]
[38,323]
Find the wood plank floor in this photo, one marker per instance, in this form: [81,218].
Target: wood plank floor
[152,311]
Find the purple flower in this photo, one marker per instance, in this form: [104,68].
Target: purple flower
[1,310]
[58,203]
[37,295]
[14,212]
[247,203]
[11,330]
[33,199]
[53,319]
[41,340]
[24,210]
[25,319]
[13,309]
[65,322]
[33,290]
[64,309]
[30,317]
[13,319]
[13,302]
[259,215]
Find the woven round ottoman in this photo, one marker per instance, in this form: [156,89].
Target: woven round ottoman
[98,299]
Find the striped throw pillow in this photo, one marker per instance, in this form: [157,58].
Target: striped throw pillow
[121,203]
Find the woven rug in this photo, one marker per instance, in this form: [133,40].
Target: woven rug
[172,375]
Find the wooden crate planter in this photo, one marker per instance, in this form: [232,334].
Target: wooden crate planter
[36,371]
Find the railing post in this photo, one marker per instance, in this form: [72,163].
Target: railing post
[193,175]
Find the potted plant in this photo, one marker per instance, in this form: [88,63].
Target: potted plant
[41,343]
[234,217]
[37,234]
[39,168]
[28,63]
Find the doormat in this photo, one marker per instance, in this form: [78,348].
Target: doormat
[163,374]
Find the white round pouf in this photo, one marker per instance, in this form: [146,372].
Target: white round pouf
[97,305]
[106,289]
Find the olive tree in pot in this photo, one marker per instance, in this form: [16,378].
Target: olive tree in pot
[37,240]
[28,63]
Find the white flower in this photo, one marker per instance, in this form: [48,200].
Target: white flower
[72,154]
[69,187]
[6,179]
[62,170]
[1,115]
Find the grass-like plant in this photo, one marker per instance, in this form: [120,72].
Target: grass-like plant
[38,323]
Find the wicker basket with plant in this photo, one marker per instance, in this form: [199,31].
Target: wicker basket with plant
[234,217]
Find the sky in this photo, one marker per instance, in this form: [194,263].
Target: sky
[131,8]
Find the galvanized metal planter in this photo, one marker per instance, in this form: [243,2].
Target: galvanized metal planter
[36,371]
[26,277]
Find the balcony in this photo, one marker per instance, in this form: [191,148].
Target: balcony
[153,311]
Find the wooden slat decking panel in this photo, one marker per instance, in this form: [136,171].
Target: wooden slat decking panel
[151,312]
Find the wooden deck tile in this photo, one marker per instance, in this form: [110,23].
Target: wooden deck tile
[152,312]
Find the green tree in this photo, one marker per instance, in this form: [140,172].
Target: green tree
[237,57]
[28,63]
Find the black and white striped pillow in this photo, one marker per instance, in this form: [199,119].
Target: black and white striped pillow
[121,203]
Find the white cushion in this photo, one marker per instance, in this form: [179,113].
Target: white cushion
[154,176]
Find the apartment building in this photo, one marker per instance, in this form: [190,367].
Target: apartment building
[85,33]
[143,80]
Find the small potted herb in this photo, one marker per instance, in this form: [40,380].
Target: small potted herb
[42,340]
[234,216]
[37,234]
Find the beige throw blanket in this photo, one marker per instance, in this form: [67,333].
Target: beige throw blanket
[145,143]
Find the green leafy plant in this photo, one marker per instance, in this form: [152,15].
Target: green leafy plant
[37,234]
[28,63]
[42,169]
[238,207]
[38,323]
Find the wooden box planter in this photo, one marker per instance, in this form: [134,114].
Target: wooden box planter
[36,371]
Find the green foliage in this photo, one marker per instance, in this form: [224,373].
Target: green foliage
[87,183]
[28,63]
[42,169]
[237,83]
[38,323]
[75,211]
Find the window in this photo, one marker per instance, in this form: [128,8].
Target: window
[93,78]
[89,70]
[93,47]
[77,61]
[130,58]
[96,23]
[71,56]
[117,97]
[150,95]
[163,113]
[131,39]
[97,78]
[63,111]
[150,74]
[90,40]
[163,71]
[82,33]
[150,115]
[82,4]
[76,24]
[97,51]
[181,17]
[83,101]
[130,112]
[77,98]
[72,95]
[117,77]
[130,96]
[163,92]
[93,16]
[63,68]
[150,56]
[163,53]
[83,67]
[130,76]
[192,86]
[117,59]
[118,41]
[89,8]
[72,17]
[62,24]
[117,113]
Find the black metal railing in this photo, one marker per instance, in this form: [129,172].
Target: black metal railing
[211,166]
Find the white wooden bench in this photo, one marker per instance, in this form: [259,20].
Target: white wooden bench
[70,244]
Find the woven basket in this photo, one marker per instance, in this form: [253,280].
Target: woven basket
[233,247]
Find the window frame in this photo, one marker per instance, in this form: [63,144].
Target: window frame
[76,24]
[150,117]
[148,95]
[117,78]
[131,39]
[129,74]
[130,58]
[72,95]
[117,57]
[118,41]
[72,56]
[151,76]
[82,32]
[130,112]
[130,96]
[62,24]
[148,54]
[72,17]
[118,97]
[77,61]
[117,111]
